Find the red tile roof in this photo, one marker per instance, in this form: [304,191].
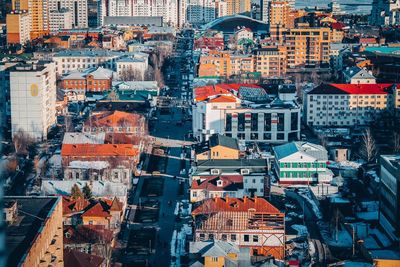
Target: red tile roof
[114,119]
[75,258]
[337,26]
[223,99]
[83,234]
[101,150]
[204,92]
[229,183]
[353,89]
[214,205]
[73,205]
[96,211]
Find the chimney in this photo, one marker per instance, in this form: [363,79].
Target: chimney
[245,199]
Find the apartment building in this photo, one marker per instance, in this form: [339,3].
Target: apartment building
[385,12]
[301,163]
[200,11]
[79,9]
[245,222]
[34,231]
[234,7]
[33,99]
[270,61]
[279,13]
[18,27]
[389,216]
[224,64]
[246,112]
[307,46]
[348,104]
[60,19]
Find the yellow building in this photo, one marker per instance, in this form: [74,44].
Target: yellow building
[34,231]
[279,13]
[217,147]
[237,6]
[39,15]
[18,27]
[270,61]
[216,254]
[307,46]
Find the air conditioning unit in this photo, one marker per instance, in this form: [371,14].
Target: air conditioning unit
[215,171]
[244,171]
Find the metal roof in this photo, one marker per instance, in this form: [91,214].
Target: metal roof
[313,150]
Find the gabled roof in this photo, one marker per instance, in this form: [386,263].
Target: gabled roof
[102,150]
[96,211]
[313,150]
[215,248]
[101,74]
[357,73]
[222,140]
[114,119]
[210,183]
[83,234]
[231,90]
[116,205]
[351,89]
[75,258]
[74,205]
[214,205]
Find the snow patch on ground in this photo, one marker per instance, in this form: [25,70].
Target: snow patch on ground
[301,229]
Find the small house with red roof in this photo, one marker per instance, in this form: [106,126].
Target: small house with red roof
[247,222]
[75,258]
[216,186]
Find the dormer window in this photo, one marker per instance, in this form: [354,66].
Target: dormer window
[220,183]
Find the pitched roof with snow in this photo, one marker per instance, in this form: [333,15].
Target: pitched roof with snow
[313,150]
[357,73]
[215,248]
[83,138]
[351,89]
[231,90]
[215,205]
[114,119]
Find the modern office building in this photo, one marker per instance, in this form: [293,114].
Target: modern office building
[33,99]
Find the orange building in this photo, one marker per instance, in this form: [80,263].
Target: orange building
[18,27]
[271,61]
[279,13]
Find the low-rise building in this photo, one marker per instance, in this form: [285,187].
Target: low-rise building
[245,222]
[34,235]
[205,187]
[253,173]
[301,163]
[90,80]
[246,112]
[217,147]
[356,75]
[348,104]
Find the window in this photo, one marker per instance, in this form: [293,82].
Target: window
[233,238]
[255,238]
[294,121]
[280,136]
[254,122]
[281,122]
[246,238]
[214,259]
[211,237]
[202,237]
[224,237]
[267,122]
[241,122]
[254,136]
[194,193]
[267,136]
[228,122]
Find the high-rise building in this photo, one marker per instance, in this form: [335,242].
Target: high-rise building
[39,15]
[60,19]
[79,9]
[18,27]
[385,12]
[270,61]
[200,11]
[33,99]
[238,6]
[307,46]
[92,13]
[278,13]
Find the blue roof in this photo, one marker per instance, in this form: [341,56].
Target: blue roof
[383,50]
[285,150]
[318,152]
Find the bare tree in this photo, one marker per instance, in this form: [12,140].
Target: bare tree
[22,142]
[396,142]
[368,149]
[131,74]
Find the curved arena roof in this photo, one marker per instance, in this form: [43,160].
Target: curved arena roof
[230,24]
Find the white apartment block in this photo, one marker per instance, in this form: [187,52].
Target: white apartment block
[348,104]
[171,10]
[200,11]
[119,8]
[33,99]
[18,27]
[385,12]
[254,116]
[79,9]
[60,19]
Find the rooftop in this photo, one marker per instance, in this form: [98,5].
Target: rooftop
[313,150]
[75,258]
[212,205]
[114,119]
[84,138]
[33,213]
[222,140]
[219,183]
[101,150]
[352,89]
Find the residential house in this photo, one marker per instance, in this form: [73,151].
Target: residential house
[216,186]
[356,75]
[301,163]
[217,147]
[253,173]
[217,253]
[245,222]
[75,258]
[90,80]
